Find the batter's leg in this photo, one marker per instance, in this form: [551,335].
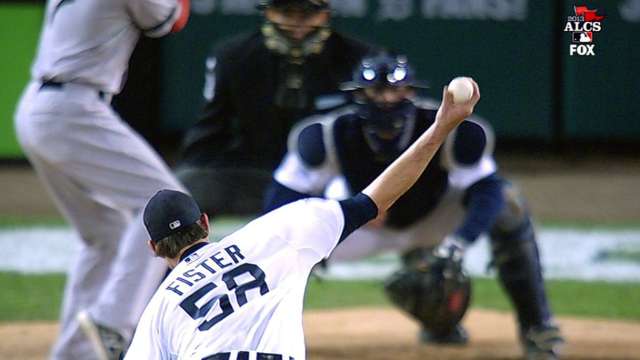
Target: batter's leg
[128,175]
[133,279]
[44,138]
[114,168]
[90,268]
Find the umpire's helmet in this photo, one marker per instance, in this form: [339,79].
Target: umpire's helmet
[381,70]
[435,291]
[311,5]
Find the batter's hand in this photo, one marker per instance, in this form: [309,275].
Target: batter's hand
[451,114]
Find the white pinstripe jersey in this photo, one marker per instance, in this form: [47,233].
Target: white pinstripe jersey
[91,41]
[243,294]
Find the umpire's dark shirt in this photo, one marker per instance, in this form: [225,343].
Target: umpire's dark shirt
[241,125]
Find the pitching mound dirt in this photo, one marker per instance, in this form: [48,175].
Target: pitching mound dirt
[372,333]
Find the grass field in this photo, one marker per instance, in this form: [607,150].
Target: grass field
[38,297]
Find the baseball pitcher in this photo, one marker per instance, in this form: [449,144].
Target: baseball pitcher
[242,298]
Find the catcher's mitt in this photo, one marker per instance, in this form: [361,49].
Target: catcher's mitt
[434,290]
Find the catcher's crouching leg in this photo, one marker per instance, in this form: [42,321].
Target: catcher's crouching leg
[434,291]
[516,255]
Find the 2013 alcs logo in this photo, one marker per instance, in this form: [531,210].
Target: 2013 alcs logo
[582,25]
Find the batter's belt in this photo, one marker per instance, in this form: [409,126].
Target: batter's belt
[57,85]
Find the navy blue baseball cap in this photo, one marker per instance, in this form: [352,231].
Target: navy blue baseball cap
[167,212]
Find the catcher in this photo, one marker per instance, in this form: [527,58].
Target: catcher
[458,197]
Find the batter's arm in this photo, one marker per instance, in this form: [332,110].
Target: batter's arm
[156,18]
[183,17]
[405,170]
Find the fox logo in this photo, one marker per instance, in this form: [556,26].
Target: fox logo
[582,50]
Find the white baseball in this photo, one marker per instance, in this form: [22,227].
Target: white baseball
[461,88]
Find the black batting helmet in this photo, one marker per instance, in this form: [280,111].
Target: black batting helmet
[383,69]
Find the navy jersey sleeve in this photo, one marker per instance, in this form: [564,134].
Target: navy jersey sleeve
[484,201]
[310,164]
[469,144]
[468,153]
[358,210]
[310,145]
[294,178]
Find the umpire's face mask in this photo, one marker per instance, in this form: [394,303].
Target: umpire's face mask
[387,126]
[296,31]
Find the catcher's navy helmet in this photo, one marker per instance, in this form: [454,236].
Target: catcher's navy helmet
[383,70]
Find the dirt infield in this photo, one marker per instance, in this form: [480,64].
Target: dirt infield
[372,333]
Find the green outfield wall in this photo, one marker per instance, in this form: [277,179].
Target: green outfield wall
[19,30]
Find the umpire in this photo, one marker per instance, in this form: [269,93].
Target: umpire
[257,86]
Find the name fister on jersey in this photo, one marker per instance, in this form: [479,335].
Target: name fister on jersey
[225,258]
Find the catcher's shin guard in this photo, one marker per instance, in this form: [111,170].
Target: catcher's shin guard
[516,255]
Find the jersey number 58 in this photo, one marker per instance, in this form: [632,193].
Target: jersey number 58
[229,278]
